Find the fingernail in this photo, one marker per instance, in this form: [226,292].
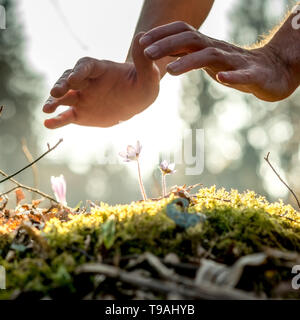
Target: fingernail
[152,51]
[54,90]
[45,107]
[145,40]
[223,75]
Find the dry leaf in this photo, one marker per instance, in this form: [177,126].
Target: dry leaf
[19,195]
[36,203]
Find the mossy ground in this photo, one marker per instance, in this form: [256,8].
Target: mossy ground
[43,262]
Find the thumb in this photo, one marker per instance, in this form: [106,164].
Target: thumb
[145,68]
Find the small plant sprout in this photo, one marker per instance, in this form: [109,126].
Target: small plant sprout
[132,154]
[166,169]
[59,188]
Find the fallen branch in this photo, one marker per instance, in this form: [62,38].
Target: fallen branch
[9,191]
[203,291]
[22,186]
[279,177]
[32,163]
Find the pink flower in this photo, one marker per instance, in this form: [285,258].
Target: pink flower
[132,153]
[59,188]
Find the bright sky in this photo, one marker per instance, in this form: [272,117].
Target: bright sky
[105,28]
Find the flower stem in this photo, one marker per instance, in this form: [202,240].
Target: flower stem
[163,183]
[141,182]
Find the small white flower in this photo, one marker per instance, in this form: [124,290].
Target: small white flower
[167,168]
[59,188]
[132,153]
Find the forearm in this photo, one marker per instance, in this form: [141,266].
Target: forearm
[159,12]
[284,41]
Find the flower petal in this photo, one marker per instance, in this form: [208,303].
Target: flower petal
[131,152]
[138,147]
[123,154]
[164,165]
[171,166]
[59,188]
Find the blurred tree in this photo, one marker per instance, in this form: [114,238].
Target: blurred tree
[19,87]
[239,128]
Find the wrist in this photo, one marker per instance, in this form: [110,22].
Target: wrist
[161,63]
[284,46]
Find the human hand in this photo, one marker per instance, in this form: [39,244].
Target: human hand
[103,93]
[259,71]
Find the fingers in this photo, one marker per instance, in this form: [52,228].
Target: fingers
[78,77]
[177,44]
[70,99]
[145,68]
[85,69]
[61,120]
[164,31]
[209,57]
[61,86]
[242,77]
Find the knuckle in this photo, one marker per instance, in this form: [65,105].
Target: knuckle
[214,52]
[105,62]
[84,60]
[67,72]
[183,25]
[193,35]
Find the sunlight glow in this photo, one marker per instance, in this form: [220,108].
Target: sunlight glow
[106,33]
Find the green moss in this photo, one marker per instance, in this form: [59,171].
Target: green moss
[236,225]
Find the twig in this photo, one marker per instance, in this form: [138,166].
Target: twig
[9,191]
[279,177]
[203,291]
[32,163]
[30,159]
[20,185]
